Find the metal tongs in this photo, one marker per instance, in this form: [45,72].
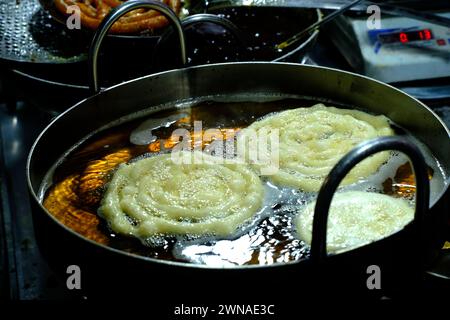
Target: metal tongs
[395,8]
[342,6]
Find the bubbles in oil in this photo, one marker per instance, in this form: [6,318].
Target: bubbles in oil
[272,237]
[143,134]
[269,238]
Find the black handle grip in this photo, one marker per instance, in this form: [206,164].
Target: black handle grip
[340,170]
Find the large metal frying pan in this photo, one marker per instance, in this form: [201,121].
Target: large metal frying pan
[108,271]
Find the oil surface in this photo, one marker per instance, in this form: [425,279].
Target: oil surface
[78,183]
[260,30]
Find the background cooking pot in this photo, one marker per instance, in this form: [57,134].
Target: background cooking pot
[56,88]
[108,271]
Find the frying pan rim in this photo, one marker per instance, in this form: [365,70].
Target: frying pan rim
[48,82]
[202,266]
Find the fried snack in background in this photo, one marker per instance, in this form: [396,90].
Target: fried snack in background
[92,13]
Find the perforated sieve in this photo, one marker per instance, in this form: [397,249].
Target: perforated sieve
[29,34]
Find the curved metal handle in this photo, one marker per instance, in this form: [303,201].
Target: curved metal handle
[202,18]
[113,16]
[212,18]
[340,170]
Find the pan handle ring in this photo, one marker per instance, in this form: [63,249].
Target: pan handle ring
[113,16]
[212,18]
[340,170]
[201,18]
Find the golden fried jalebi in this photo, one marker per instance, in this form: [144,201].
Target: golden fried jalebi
[92,13]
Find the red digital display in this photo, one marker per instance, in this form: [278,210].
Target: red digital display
[405,37]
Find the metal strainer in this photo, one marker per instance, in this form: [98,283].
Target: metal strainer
[29,34]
